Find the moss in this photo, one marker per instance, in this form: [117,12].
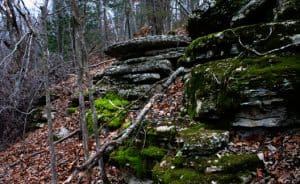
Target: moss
[220,45]
[141,161]
[129,157]
[222,82]
[126,125]
[153,152]
[190,176]
[55,138]
[227,164]
[110,102]
[71,110]
[110,109]
[184,170]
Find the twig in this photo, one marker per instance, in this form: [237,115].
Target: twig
[267,52]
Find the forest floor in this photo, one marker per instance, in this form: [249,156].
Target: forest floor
[28,161]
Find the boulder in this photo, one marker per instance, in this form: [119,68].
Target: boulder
[214,16]
[193,170]
[137,47]
[254,40]
[199,141]
[162,67]
[287,9]
[249,92]
[255,11]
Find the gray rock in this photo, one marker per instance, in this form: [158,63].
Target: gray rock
[247,14]
[263,109]
[141,78]
[224,14]
[199,141]
[138,46]
[287,9]
[62,132]
[162,67]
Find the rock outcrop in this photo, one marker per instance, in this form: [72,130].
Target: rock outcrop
[142,46]
[249,65]
[257,91]
[195,162]
[223,14]
[245,68]
[256,39]
[142,62]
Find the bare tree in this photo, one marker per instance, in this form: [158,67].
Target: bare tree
[45,59]
[81,60]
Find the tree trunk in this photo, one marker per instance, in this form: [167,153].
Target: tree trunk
[45,58]
[60,26]
[127,14]
[105,23]
[81,59]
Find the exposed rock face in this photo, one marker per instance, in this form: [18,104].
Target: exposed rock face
[254,39]
[255,91]
[138,47]
[142,62]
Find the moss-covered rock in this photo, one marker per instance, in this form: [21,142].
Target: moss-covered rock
[223,88]
[227,169]
[199,141]
[130,158]
[231,42]
[140,161]
[110,110]
[218,15]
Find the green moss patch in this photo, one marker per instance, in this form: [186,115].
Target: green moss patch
[131,158]
[71,110]
[140,161]
[153,152]
[110,109]
[183,170]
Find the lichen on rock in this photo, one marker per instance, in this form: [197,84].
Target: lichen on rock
[226,88]
[199,141]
